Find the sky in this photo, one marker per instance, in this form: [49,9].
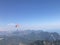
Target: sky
[30,14]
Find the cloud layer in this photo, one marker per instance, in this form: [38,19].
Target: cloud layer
[11,27]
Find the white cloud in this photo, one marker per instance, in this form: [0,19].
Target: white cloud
[11,27]
[11,24]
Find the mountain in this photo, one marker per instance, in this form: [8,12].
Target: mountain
[28,36]
[32,35]
[37,35]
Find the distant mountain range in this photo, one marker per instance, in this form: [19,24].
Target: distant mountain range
[32,35]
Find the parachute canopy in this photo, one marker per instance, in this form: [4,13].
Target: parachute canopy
[17,25]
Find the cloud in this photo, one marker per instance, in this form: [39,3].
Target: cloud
[11,24]
[11,27]
[8,27]
[51,26]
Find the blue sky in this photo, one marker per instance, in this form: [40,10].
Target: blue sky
[31,14]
